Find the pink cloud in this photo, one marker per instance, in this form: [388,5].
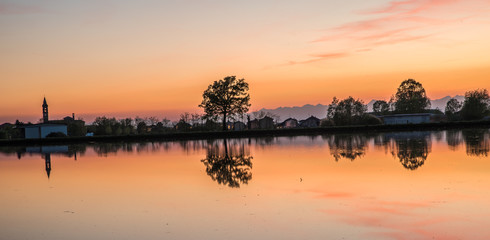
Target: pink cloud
[397,22]
[410,6]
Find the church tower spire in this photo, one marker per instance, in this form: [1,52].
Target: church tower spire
[45,111]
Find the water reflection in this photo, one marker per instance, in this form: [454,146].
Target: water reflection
[228,164]
[46,152]
[411,148]
[229,161]
[347,146]
[454,139]
[477,142]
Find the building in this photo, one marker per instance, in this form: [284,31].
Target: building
[266,123]
[45,111]
[239,126]
[288,123]
[310,122]
[414,118]
[43,129]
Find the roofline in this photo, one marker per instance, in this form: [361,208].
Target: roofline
[40,125]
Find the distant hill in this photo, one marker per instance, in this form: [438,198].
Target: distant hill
[320,110]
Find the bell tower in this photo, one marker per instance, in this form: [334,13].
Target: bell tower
[45,111]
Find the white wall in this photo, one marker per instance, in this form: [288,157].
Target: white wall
[43,130]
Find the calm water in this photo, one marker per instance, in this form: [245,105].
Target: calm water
[413,185]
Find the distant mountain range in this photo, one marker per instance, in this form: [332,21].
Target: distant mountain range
[320,110]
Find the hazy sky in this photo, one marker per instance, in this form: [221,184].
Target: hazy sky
[128,58]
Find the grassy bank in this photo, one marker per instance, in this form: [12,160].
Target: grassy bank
[249,133]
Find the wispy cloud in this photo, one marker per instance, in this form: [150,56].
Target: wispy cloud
[410,6]
[395,23]
[320,57]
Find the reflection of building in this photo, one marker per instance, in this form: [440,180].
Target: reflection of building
[46,151]
[47,163]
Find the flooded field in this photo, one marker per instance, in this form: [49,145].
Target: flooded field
[405,185]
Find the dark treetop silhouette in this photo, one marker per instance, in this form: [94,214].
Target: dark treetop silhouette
[226,97]
[411,98]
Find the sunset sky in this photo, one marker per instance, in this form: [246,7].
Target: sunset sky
[155,58]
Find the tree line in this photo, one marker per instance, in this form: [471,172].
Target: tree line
[410,98]
[228,98]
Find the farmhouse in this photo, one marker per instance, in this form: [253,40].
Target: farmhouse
[406,118]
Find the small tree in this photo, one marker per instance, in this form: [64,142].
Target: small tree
[411,97]
[476,104]
[226,97]
[453,106]
[381,106]
[141,128]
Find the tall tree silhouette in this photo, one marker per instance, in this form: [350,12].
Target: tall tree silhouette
[476,104]
[226,97]
[411,97]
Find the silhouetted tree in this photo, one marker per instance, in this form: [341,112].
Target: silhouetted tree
[347,111]
[228,167]
[453,106]
[226,97]
[166,122]
[182,125]
[381,106]
[411,97]
[476,104]
[141,128]
[104,125]
[152,121]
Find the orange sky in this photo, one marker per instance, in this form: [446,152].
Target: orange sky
[131,58]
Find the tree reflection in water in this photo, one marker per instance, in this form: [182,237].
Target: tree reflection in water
[454,139]
[347,146]
[412,152]
[228,165]
[477,142]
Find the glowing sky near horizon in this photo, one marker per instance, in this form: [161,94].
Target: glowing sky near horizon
[155,58]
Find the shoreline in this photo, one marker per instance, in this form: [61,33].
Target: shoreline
[248,133]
